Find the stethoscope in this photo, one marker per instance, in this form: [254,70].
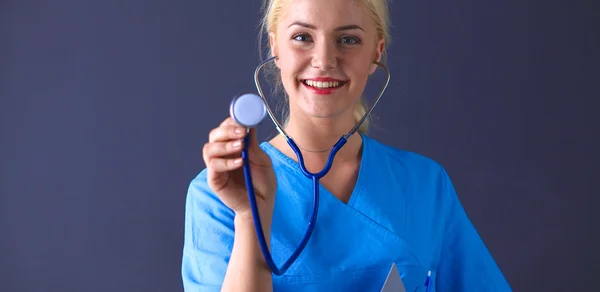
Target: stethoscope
[248,110]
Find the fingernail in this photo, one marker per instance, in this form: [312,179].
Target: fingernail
[238,130]
[236,144]
[237,161]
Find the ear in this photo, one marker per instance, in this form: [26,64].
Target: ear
[379,49]
[273,46]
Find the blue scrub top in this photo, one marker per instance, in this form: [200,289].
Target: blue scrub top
[403,210]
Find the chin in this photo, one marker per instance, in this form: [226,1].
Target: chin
[326,111]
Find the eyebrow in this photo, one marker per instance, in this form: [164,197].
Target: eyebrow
[345,27]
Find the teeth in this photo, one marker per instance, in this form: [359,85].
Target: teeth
[322,84]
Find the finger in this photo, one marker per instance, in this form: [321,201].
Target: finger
[226,132]
[253,141]
[224,164]
[256,155]
[221,149]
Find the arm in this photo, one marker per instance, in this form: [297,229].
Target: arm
[465,264]
[248,270]
[215,258]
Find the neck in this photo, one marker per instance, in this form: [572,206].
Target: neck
[313,136]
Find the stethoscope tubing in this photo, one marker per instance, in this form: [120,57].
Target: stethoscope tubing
[313,218]
[313,176]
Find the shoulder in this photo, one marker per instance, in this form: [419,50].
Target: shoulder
[199,183]
[417,179]
[398,158]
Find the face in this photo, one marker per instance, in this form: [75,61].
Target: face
[325,53]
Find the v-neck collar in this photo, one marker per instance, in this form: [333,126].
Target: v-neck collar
[358,186]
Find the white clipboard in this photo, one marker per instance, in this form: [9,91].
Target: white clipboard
[393,283]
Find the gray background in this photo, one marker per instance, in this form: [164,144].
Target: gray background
[105,107]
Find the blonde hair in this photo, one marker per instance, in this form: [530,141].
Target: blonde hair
[272,11]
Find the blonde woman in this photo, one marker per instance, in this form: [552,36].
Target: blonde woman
[379,205]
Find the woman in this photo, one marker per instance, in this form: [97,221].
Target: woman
[379,205]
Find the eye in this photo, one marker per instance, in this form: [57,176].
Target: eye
[301,37]
[349,40]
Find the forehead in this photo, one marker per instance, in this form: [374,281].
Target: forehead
[327,14]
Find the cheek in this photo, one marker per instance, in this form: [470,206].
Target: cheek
[292,58]
[288,70]
[283,64]
[361,71]
[290,67]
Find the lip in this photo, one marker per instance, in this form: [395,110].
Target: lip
[323,91]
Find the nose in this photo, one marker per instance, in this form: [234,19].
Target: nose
[324,56]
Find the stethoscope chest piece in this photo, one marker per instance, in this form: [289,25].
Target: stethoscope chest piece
[248,110]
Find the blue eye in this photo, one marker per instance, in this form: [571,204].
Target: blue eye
[301,38]
[349,40]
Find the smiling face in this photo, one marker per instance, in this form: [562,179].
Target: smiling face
[325,53]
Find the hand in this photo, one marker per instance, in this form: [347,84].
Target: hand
[223,157]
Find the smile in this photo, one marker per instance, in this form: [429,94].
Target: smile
[323,85]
